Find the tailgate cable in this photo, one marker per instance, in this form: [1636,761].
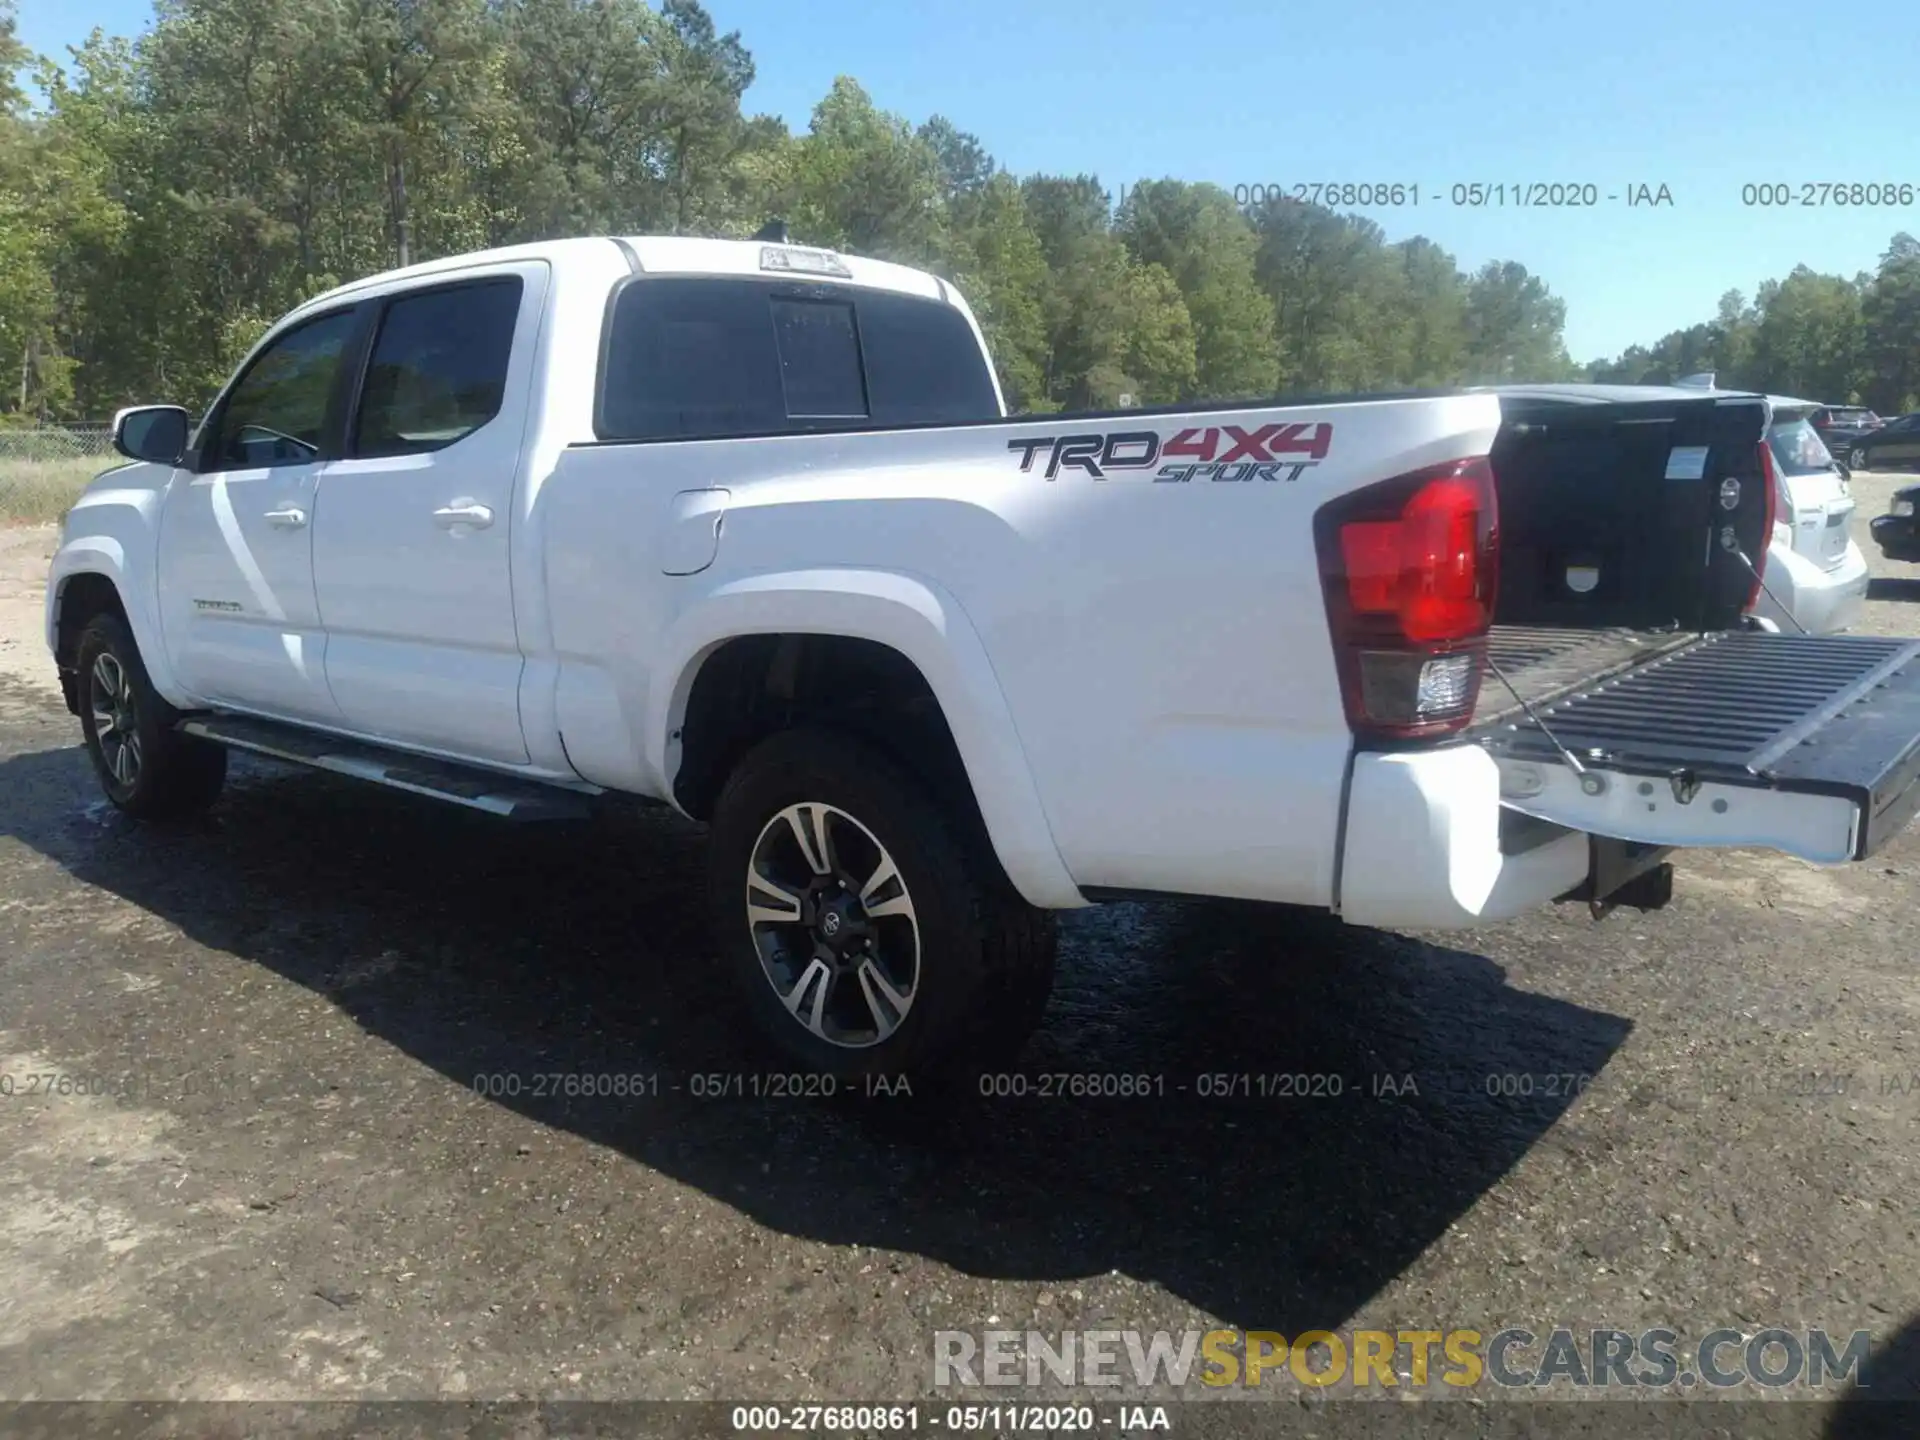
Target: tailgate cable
[1595,784]
[1592,784]
[1728,543]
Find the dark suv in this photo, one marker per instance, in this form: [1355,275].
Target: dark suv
[1841,425]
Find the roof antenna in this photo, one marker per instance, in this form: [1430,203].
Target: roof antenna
[774,232]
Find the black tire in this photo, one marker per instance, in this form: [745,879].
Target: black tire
[983,963]
[171,775]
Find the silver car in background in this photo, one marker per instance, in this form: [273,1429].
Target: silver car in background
[1816,573]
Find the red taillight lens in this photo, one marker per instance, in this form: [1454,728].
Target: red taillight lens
[1409,569]
[1777,503]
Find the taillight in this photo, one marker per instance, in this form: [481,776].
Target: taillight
[1409,568]
[1778,502]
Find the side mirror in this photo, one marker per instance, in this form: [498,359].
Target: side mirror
[155,433]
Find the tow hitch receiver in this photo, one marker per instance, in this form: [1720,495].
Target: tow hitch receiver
[1624,872]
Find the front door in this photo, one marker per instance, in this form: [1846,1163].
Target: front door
[238,612]
[412,564]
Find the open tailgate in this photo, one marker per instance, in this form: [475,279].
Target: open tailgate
[1807,744]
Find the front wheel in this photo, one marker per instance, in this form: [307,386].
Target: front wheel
[1857,459]
[868,929]
[146,767]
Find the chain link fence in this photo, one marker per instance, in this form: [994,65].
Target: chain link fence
[57,442]
[44,468]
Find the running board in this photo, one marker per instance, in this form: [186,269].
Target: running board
[500,795]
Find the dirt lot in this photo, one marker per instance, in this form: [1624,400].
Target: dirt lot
[282,1184]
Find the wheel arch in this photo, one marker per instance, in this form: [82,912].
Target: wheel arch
[926,628]
[112,538]
[94,583]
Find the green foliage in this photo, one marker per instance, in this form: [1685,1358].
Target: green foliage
[32,212]
[995,258]
[1816,337]
[862,181]
[1890,344]
[1195,234]
[1808,341]
[1513,326]
[168,197]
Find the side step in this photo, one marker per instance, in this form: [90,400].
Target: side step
[500,795]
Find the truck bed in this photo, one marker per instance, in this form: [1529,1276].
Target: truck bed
[1540,664]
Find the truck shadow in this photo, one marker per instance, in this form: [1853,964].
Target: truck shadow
[1356,1107]
[1888,1406]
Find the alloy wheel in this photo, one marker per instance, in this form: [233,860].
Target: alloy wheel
[833,924]
[116,726]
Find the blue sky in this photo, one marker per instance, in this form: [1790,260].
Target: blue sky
[1701,96]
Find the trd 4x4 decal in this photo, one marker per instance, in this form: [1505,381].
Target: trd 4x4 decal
[1215,452]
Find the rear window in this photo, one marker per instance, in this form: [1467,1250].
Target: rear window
[701,358]
[1798,448]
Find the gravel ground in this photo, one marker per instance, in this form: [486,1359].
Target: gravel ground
[291,1191]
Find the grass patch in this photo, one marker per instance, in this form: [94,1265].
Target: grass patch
[34,492]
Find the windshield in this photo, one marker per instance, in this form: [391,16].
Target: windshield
[1798,448]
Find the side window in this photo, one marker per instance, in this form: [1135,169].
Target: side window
[438,370]
[277,412]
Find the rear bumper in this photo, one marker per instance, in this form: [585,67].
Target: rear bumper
[1806,745]
[1808,596]
[1423,851]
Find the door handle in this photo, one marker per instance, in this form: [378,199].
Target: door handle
[291,517]
[463,512]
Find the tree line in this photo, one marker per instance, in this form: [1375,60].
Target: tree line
[1819,337]
[163,198]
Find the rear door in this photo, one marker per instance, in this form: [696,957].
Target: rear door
[411,561]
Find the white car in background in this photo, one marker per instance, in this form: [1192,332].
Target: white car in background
[1816,574]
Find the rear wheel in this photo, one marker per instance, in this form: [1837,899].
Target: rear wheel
[1857,458]
[869,932]
[146,767]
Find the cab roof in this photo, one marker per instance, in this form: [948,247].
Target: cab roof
[667,255]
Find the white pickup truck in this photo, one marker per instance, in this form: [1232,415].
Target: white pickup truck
[743,527]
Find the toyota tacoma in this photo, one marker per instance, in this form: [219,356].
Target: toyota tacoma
[743,527]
